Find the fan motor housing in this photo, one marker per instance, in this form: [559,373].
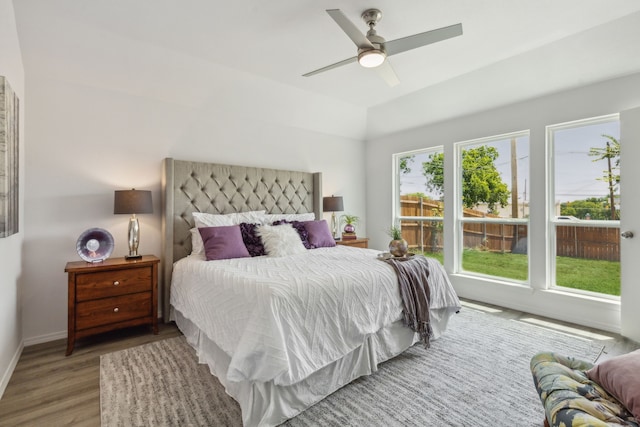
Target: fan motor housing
[371,16]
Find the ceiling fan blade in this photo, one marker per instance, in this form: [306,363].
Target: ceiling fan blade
[332,66]
[350,29]
[388,74]
[418,40]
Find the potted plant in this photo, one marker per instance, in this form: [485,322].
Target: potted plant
[350,221]
[398,247]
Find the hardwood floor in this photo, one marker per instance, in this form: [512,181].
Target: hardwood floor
[49,389]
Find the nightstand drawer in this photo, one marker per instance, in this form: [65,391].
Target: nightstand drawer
[112,283]
[362,242]
[105,311]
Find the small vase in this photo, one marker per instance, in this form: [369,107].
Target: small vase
[349,228]
[398,248]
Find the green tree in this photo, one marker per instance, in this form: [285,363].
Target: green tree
[591,208]
[433,170]
[610,153]
[481,181]
[404,164]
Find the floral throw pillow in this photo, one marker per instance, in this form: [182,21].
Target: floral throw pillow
[251,239]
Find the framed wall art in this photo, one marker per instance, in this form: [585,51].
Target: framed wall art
[9,144]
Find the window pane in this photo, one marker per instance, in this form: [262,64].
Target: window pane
[421,202]
[587,205]
[493,206]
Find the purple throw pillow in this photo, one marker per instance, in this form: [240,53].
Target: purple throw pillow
[251,240]
[620,377]
[300,228]
[319,234]
[223,242]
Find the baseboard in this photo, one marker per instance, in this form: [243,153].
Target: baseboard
[45,338]
[6,377]
[56,336]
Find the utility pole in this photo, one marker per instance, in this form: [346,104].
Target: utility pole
[524,198]
[514,180]
[608,153]
[610,178]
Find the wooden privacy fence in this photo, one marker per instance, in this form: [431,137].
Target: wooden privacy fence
[427,232]
[571,241]
[588,242]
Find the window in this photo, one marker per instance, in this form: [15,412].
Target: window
[420,203]
[491,206]
[584,191]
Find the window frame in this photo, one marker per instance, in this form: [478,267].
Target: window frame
[460,219]
[553,222]
[396,209]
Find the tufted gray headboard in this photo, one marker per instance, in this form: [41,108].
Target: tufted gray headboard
[220,189]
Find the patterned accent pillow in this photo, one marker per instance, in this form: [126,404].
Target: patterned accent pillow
[300,228]
[251,240]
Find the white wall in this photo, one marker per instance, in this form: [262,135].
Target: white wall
[93,130]
[590,101]
[602,52]
[11,247]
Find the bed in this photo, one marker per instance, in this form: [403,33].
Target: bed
[279,332]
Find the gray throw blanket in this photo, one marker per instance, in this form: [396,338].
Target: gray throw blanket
[412,274]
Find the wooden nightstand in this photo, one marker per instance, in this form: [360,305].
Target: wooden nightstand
[362,242]
[110,295]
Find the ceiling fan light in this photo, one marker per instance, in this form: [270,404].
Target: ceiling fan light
[371,58]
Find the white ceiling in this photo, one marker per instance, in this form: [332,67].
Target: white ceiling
[282,39]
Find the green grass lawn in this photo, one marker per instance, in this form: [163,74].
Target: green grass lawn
[584,274]
[589,275]
[508,265]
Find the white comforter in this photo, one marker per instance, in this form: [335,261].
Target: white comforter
[281,319]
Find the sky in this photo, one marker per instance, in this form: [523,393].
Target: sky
[576,173]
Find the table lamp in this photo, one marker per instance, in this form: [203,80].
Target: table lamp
[133,202]
[333,204]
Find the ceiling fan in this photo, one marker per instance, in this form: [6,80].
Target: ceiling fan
[373,50]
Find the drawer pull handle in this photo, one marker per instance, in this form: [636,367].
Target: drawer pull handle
[115,310]
[116,283]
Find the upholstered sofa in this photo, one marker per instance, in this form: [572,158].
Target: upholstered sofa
[571,397]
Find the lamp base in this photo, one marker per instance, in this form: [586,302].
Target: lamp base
[128,257]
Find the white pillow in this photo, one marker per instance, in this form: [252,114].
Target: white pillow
[197,245]
[280,240]
[211,220]
[271,218]
[251,217]
[216,220]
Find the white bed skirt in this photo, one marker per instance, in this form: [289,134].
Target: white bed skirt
[268,404]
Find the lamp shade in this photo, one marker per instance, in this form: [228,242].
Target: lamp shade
[132,202]
[332,204]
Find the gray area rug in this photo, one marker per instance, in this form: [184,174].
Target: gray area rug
[477,374]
